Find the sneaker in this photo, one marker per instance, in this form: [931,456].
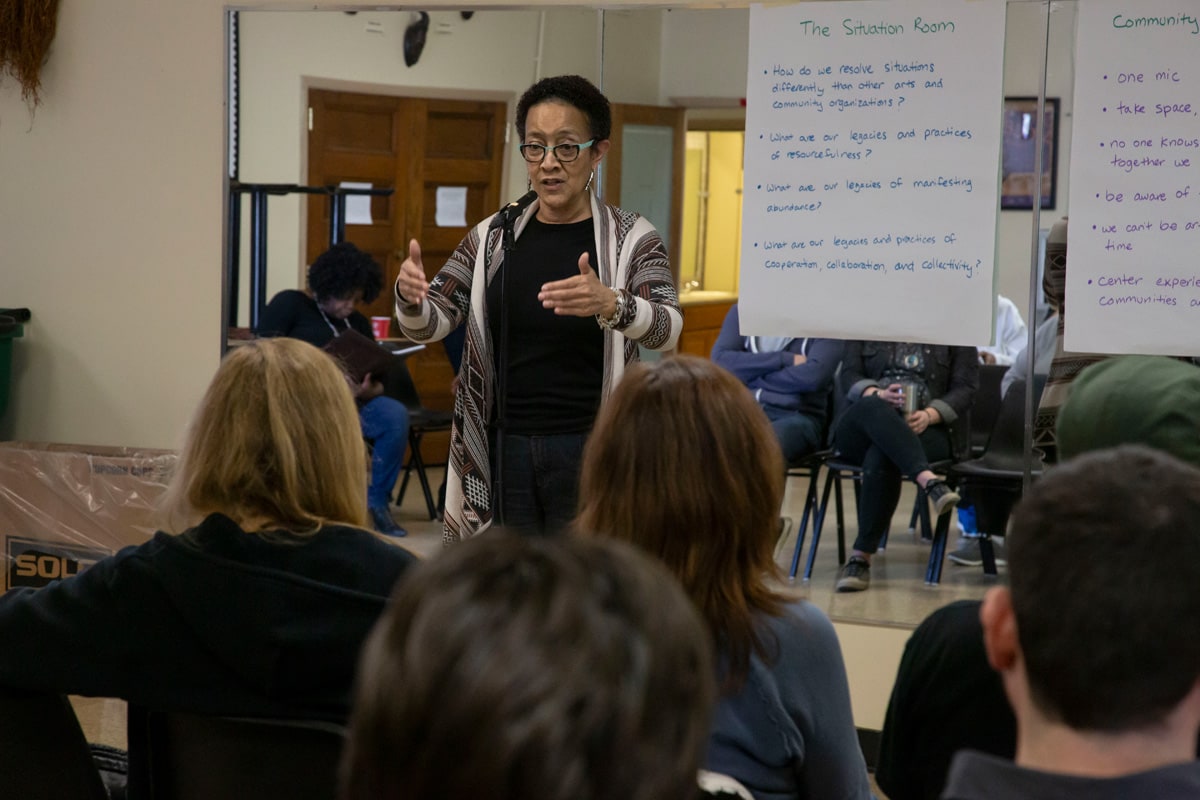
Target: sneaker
[969,554]
[941,495]
[855,576]
[381,518]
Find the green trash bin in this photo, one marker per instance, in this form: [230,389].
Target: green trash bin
[9,330]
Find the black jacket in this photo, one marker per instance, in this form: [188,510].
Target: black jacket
[293,313]
[214,620]
[951,374]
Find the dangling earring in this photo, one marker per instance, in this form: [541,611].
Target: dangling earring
[529,185]
[589,183]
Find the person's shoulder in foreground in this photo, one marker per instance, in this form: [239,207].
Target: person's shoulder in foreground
[1103,673]
[946,698]
[978,776]
[794,714]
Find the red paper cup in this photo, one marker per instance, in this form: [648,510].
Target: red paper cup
[381,326]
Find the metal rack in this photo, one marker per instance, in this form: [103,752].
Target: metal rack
[259,192]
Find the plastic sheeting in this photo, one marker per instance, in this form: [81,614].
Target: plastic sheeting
[64,507]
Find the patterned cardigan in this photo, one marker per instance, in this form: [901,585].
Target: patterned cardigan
[631,255]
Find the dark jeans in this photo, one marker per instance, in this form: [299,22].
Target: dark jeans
[541,481]
[875,435]
[385,425]
[798,434]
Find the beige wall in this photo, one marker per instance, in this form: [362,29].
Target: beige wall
[110,224]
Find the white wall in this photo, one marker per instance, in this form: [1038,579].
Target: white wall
[632,43]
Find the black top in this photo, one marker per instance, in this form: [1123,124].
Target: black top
[214,620]
[946,698]
[555,363]
[975,776]
[293,313]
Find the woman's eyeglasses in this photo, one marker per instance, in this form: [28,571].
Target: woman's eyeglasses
[563,153]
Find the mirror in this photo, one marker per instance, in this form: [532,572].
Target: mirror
[683,58]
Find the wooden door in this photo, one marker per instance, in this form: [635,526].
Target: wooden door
[645,166]
[414,145]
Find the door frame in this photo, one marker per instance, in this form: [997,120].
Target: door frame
[674,117]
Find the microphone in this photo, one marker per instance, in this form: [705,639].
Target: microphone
[511,211]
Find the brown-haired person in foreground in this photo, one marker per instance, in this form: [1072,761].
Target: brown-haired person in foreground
[260,607]
[684,464]
[517,668]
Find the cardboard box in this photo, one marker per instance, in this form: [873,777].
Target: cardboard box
[64,507]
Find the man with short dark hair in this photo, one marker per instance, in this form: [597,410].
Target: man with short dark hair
[1099,655]
[946,697]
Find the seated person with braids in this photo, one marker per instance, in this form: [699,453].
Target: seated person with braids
[339,279]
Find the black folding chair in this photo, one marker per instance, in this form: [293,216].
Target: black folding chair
[182,756]
[43,753]
[995,478]
[421,421]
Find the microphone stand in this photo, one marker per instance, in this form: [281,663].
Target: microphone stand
[505,219]
[509,216]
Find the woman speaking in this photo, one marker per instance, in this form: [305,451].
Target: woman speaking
[557,291]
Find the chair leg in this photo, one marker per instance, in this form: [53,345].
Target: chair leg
[988,553]
[922,511]
[819,522]
[937,553]
[916,513]
[841,517]
[403,483]
[419,464]
[810,501]
[414,447]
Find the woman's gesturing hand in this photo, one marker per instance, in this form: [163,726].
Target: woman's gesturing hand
[581,295]
[411,284]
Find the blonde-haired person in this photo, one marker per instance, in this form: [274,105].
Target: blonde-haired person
[683,464]
[260,607]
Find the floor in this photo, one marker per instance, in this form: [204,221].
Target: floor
[872,625]
[898,596]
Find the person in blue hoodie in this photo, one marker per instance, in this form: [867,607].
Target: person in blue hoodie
[260,605]
[791,378]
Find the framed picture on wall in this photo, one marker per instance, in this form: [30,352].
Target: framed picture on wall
[1019,143]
